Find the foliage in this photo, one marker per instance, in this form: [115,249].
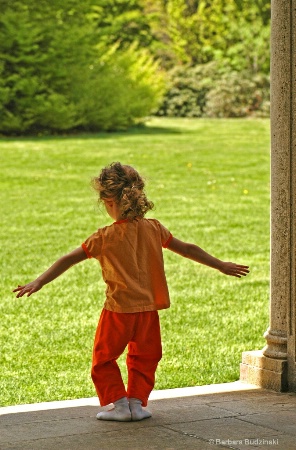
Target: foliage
[54,77]
[121,22]
[248,40]
[233,31]
[127,86]
[95,65]
[238,95]
[206,90]
[186,96]
[36,67]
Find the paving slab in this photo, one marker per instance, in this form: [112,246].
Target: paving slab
[281,421]
[124,439]
[230,416]
[261,404]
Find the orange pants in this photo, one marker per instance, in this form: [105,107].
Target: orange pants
[141,333]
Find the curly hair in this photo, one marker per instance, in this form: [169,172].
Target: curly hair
[125,186]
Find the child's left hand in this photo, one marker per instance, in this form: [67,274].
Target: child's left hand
[234,270]
[28,289]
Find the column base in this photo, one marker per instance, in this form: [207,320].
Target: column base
[268,373]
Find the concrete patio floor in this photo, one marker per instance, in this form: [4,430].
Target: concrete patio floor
[230,416]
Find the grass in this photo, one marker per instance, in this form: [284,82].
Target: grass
[209,180]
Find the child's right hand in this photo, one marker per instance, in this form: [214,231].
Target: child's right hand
[28,289]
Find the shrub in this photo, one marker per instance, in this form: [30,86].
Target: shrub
[187,90]
[120,89]
[37,62]
[209,90]
[238,95]
[54,77]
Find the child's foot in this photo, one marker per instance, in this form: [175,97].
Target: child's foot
[120,413]
[138,413]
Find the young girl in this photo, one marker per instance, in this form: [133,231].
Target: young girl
[130,254]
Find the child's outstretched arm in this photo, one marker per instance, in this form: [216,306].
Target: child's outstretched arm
[197,254]
[60,266]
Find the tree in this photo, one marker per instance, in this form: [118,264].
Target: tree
[38,58]
[121,22]
[200,31]
[56,74]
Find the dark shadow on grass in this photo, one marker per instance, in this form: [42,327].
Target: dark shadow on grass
[139,130]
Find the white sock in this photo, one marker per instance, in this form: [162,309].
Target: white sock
[138,413]
[120,412]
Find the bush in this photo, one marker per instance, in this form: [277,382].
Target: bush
[187,90]
[238,95]
[120,89]
[35,72]
[54,77]
[208,90]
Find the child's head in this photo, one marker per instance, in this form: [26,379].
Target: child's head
[125,186]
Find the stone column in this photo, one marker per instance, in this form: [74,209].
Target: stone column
[274,366]
[292,253]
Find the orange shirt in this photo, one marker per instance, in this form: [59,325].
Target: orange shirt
[130,254]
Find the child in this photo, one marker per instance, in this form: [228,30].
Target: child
[130,255]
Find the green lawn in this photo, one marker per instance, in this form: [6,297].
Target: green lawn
[209,180]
